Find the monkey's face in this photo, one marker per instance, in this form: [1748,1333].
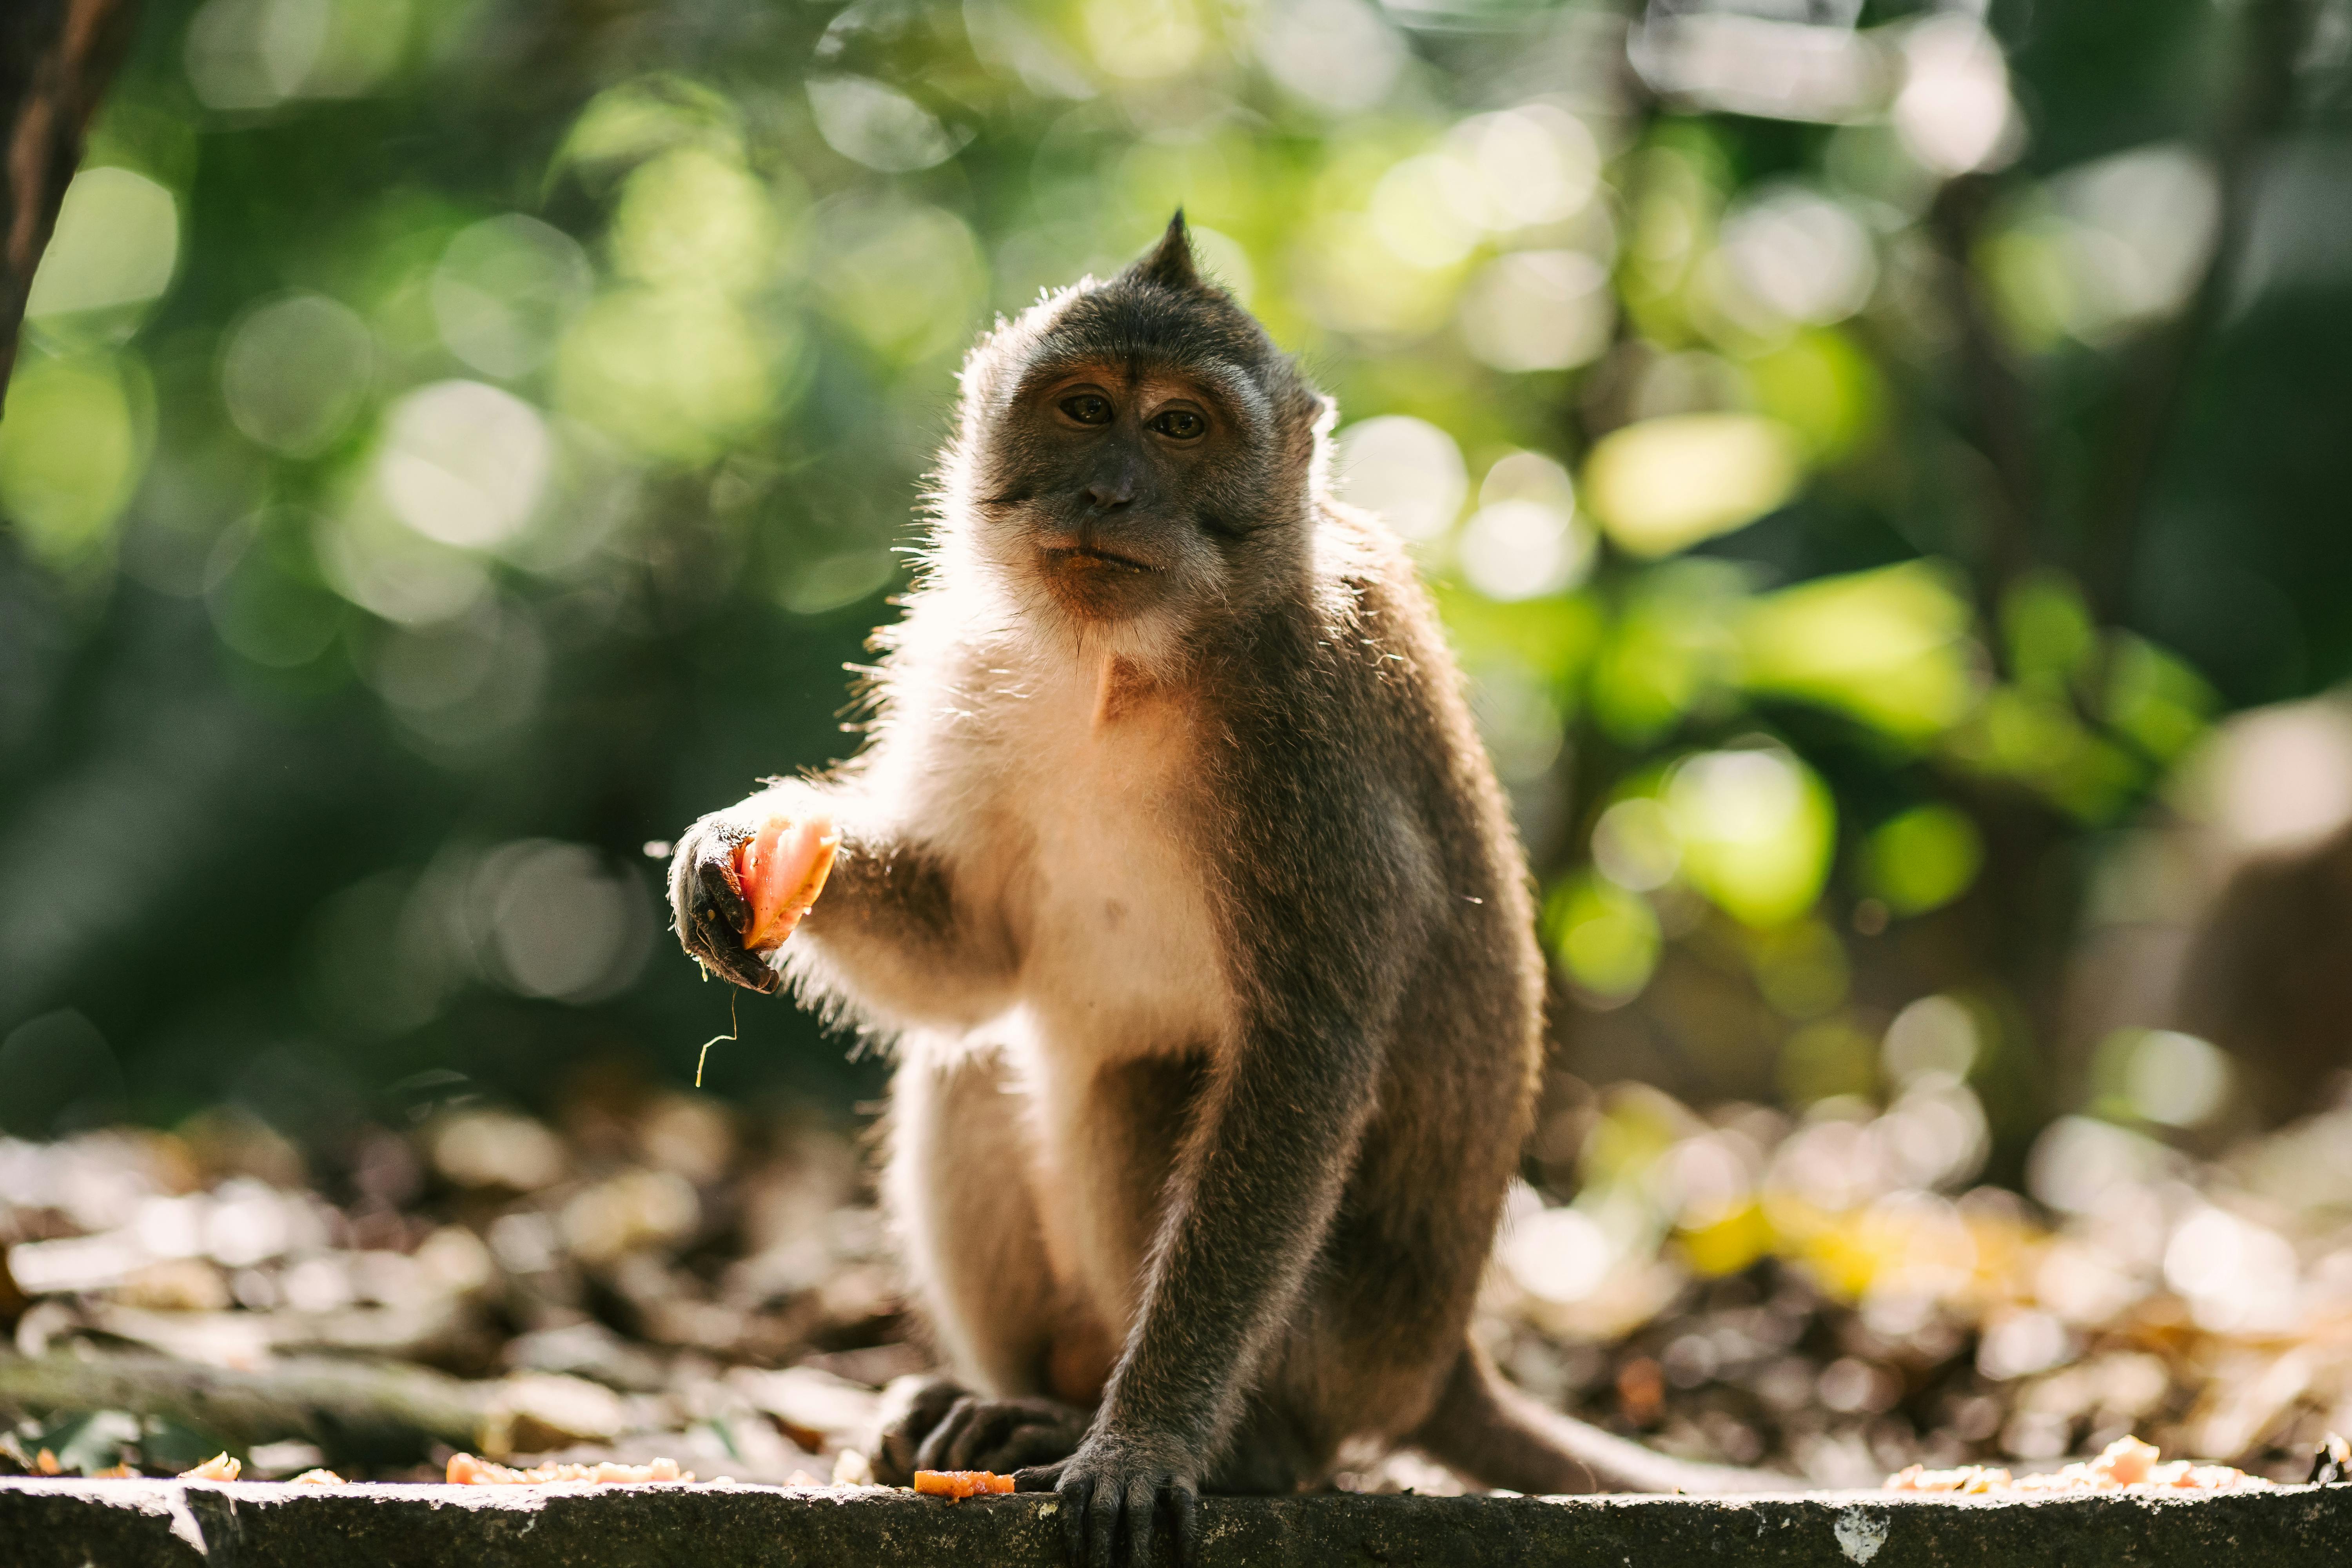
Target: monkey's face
[1110,488]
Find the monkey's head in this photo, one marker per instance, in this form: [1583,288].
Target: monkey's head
[1134,453]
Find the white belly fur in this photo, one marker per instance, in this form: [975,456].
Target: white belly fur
[1087,848]
[1081,835]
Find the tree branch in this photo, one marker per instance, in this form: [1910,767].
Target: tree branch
[56,59]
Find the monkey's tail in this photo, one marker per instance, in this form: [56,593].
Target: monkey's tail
[1498,1435]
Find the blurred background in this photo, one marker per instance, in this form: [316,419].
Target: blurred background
[1881,466]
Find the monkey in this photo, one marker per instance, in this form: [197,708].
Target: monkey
[1176,870]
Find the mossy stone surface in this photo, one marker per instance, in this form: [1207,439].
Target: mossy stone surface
[168,1524]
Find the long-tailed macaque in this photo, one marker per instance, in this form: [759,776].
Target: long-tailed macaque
[1176,868]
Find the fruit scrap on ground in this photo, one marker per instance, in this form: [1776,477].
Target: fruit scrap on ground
[2125,1462]
[219,1468]
[955,1484]
[782,868]
[466,1470]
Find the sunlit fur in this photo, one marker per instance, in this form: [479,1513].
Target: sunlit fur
[1197,920]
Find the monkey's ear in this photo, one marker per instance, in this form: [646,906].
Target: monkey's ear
[1169,265]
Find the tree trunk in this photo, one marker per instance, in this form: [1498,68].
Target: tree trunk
[56,59]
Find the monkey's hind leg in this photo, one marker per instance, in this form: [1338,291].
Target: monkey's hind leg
[958,1189]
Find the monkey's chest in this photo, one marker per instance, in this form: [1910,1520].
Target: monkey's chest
[1119,949]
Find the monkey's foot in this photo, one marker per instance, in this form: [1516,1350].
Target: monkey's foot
[945,1426]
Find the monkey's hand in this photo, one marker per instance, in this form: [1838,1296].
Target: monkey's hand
[1118,1484]
[741,879]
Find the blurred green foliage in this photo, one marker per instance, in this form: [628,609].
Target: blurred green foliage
[459,441]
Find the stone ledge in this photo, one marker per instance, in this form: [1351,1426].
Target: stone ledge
[170,1524]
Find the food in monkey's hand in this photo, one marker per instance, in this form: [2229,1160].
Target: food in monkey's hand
[2125,1462]
[466,1470]
[956,1484]
[782,868]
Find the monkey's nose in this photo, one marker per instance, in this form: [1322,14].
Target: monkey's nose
[1109,495]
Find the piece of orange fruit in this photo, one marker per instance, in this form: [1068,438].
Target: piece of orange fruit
[782,868]
[956,1484]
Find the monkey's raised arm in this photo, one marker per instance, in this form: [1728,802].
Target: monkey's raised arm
[888,927]
[1320,905]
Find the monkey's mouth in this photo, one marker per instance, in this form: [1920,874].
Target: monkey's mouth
[1091,557]
[1098,584]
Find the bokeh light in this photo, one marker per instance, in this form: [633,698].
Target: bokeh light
[1406,470]
[1797,256]
[1934,1036]
[1606,937]
[1886,647]
[463,463]
[672,375]
[1538,310]
[908,279]
[1954,112]
[878,126]
[117,242]
[296,373]
[1756,828]
[1664,485]
[249,55]
[1147,39]
[504,291]
[71,451]
[1923,858]
[1341,56]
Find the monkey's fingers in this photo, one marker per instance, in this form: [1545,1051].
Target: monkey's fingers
[1075,1492]
[707,939]
[1001,1435]
[1141,1506]
[1039,1478]
[948,1446]
[1103,1510]
[1184,1504]
[717,890]
[1031,1445]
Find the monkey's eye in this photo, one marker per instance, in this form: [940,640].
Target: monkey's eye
[1180,423]
[1088,408]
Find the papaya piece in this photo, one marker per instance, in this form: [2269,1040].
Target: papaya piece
[782,868]
[954,1485]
